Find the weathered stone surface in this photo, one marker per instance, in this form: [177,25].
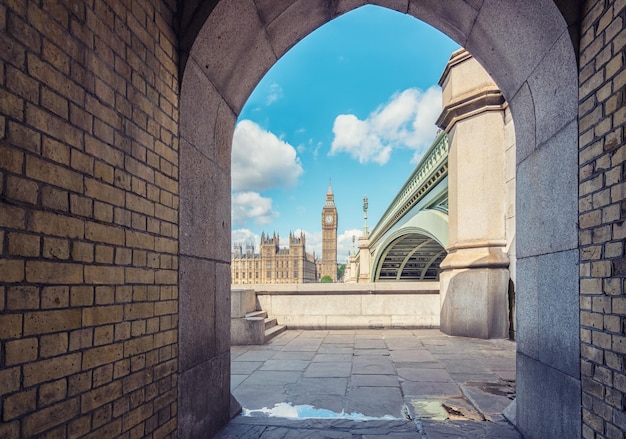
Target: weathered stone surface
[548,401]
[204,397]
[197,310]
[547,197]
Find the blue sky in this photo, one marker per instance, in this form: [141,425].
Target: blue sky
[355,103]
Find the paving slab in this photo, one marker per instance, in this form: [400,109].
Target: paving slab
[425,375]
[287,355]
[271,378]
[412,388]
[314,386]
[374,380]
[299,365]
[256,355]
[372,365]
[244,367]
[303,344]
[412,356]
[375,401]
[370,344]
[391,379]
[331,358]
[328,370]
[370,352]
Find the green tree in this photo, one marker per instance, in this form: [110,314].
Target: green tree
[326,279]
[341,269]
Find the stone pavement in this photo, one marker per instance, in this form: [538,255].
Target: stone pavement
[373,384]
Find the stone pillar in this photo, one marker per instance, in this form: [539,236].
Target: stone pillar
[474,277]
[349,276]
[364,256]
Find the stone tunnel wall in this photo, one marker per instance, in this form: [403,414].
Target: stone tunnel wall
[88,218]
[602,189]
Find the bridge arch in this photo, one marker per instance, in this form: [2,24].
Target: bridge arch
[227,46]
[424,236]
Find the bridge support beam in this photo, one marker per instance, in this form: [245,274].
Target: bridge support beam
[474,278]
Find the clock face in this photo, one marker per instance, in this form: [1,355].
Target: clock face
[329,219]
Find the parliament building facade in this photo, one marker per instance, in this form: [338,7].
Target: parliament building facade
[288,265]
[273,265]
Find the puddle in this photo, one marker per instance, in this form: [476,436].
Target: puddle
[305,411]
[429,409]
[453,408]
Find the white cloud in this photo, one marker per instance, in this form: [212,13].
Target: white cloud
[251,206]
[344,244]
[261,161]
[274,93]
[406,121]
[246,236]
[313,241]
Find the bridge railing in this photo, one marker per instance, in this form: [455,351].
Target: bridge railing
[434,163]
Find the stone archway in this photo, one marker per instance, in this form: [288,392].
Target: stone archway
[525,46]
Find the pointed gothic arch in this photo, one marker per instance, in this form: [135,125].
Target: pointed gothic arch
[226,47]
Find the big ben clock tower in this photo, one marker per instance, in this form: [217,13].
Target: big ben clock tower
[329,236]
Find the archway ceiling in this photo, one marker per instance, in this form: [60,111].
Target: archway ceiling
[412,257]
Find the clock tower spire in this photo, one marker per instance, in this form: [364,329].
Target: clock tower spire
[329,236]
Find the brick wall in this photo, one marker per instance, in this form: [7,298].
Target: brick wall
[88,218]
[602,116]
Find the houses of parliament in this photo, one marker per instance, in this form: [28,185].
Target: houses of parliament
[292,264]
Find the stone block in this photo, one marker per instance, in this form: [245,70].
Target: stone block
[204,207]
[199,101]
[294,23]
[358,321]
[475,303]
[454,18]
[523,111]
[204,398]
[242,302]
[558,305]
[548,401]
[223,307]
[247,332]
[547,197]
[511,53]
[527,307]
[230,36]
[555,105]
[197,312]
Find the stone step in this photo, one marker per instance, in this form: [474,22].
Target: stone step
[274,331]
[269,322]
[256,315]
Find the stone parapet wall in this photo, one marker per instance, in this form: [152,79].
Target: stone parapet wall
[339,306]
[602,210]
[88,218]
